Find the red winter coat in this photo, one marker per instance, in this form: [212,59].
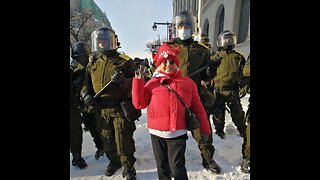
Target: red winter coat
[165,111]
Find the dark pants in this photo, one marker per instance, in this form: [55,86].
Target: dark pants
[232,100]
[90,123]
[169,155]
[206,148]
[75,132]
[117,135]
[246,140]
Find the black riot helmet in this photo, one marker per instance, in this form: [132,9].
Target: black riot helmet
[104,40]
[185,25]
[226,40]
[80,52]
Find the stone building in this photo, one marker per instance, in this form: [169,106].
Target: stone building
[218,15]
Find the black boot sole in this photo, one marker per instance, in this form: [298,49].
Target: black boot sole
[112,172]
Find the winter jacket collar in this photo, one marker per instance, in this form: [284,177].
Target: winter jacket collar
[164,77]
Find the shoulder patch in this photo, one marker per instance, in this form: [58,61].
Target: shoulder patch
[200,43]
[123,56]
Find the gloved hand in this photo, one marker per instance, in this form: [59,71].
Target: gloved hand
[145,63]
[213,65]
[204,138]
[141,72]
[216,59]
[117,77]
[89,100]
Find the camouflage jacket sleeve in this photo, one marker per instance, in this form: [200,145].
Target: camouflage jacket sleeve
[215,60]
[245,81]
[206,56]
[241,66]
[129,74]
[87,88]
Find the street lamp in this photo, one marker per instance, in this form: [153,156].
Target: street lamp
[154,27]
[169,25]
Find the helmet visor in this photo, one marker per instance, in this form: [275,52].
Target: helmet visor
[103,40]
[185,22]
[227,40]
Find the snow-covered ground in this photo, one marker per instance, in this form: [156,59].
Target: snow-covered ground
[227,155]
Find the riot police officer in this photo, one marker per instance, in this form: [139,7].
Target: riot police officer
[245,82]
[226,82]
[75,127]
[193,56]
[81,52]
[205,41]
[113,72]
[75,118]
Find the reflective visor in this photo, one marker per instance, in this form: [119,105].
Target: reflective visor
[227,40]
[103,40]
[188,22]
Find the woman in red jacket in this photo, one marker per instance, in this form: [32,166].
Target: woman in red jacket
[166,115]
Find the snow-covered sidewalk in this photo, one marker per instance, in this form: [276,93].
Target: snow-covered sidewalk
[227,155]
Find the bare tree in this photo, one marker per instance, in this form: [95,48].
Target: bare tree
[152,46]
[80,28]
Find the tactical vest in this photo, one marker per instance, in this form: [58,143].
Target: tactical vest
[102,70]
[229,72]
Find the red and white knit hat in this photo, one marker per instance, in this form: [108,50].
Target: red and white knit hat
[165,51]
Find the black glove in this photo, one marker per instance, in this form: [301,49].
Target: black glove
[117,77]
[204,138]
[145,63]
[216,59]
[89,100]
[213,65]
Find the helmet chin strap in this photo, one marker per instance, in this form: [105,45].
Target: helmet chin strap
[227,48]
[186,41]
[110,53]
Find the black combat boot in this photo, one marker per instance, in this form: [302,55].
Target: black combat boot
[129,173]
[98,154]
[79,162]
[245,165]
[212,166]
[111,169]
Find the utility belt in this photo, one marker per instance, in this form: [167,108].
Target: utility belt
[126,106]
[227,91]
[108,103]
[225,88]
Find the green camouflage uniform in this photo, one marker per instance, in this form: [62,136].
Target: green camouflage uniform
[88,115]
[115,130]
[75,118]
[246,87]
[226,82]
[192,56]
